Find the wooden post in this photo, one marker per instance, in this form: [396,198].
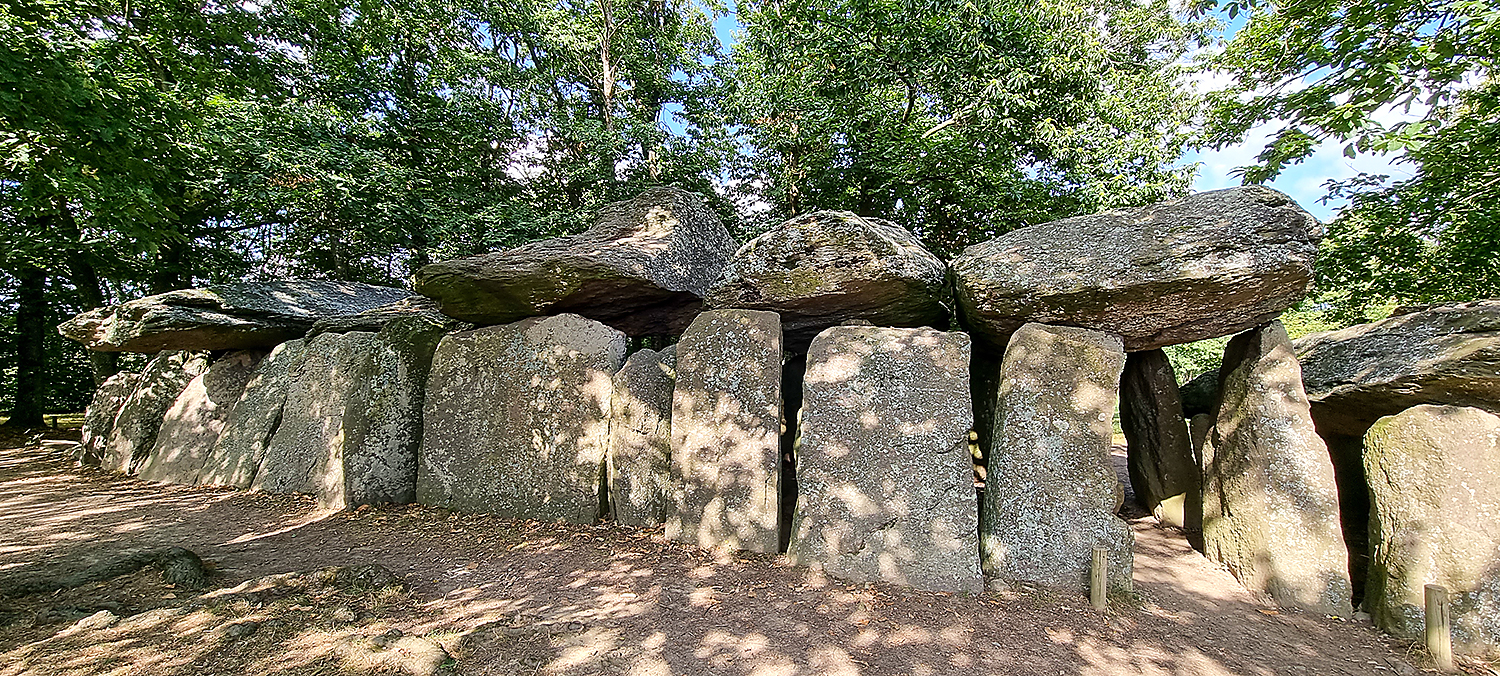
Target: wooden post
[1098,578]
[1439,633]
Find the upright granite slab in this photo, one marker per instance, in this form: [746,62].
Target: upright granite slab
[886,482]
[193,424]
[99,417]
[517,419]
[241,447]
[1435,478]
[1163,471]
[1050,492]
[1205,266]
[1271,505]
[830,267]
[726,427]
[643,269]
[135,428]
[640,432]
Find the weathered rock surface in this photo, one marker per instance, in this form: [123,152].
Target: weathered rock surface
[826,268]
[192,425]
[1435,477]
[1444,355]
[420,308]
[883,466]
[234,316]
[99,417]
[1201,394]
[517,419]
[1160,452]
[643,269]
[726,424]
[640,430]
[1206,266]
[1271,509]
[241,446]
[1050,493]
[134,433]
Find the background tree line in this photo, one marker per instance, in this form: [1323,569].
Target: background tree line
[152,145]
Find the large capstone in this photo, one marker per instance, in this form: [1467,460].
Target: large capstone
[1050,492]
[640,430]
[1435,478]
[140,417]
[419,308]
[241,447]
[1444,355]
[883,466]
[99,417]
[236,316]
[643,269]
[1206,266]
[726,425]
[1160,452]
[1271,504]
[829,267]
[517,419]
[191,427]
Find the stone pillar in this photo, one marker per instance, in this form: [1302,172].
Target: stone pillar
[1050,493]
[99,417]
[517,416]
[640,431]
[135,428]
[1435,478]
[1162,469]
[192,425]
[726,432]
[1271,505]
[241,447]
[886,480]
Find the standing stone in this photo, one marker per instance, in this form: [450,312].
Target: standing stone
[241,447]
[1435,477]
[726,425]
[1050,492]
[887,485]
[1205,266]
[99,417]
[192,425]
[1162,469]
[134,433]
[1271,505]
[517,419]
[1201,431]
[640,430]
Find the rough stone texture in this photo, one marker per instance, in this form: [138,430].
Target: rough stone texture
[1206,266]
[241,447]
[643,268]
[517,419]
[1445,355]
[726,424]
[1201,432]
[1201,394]
[1435,476]
[413,308]
[192,425]
[640,431]
[826,268]
[224,317]
[1160,453]
[883,467]
[1050,492]
[134,433]
[1271,504]
[99,417]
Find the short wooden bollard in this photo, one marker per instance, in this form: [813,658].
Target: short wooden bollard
[1098,576]
[1439,633]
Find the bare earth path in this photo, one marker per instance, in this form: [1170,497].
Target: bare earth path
[509,597]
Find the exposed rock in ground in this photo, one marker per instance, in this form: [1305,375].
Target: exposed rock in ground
[883,467]
[1271,511]
[1162,469]
[827,268]
[643,269]
[1201,267]
[517,419]
[726,427]
[178,566]
[192,425]
[99,418]
[640,430]
[140,418]
[236,316]
[1435,477]
[1050,493]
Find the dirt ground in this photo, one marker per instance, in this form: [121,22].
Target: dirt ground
[507,597]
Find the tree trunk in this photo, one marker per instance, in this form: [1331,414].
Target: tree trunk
[91,291]
[31,352]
